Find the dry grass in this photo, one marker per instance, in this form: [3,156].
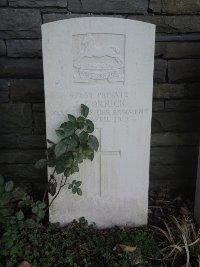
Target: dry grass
[180,242]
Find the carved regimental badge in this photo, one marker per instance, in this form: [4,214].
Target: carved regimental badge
[98,58]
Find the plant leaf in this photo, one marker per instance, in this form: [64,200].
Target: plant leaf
[67,172]
[93,142]
[79,191]
[71,118]
[84,110]
[83,137]
[60,133]
[35,209]
[52,188]
[80,122]
[74,190]
[78,183]
[71,142]
[42,205]
[60,167]
[20,215]
[40,164]
[30,223]
[69,128]
[89,126]
[91,156]
[9,186]
[60,149]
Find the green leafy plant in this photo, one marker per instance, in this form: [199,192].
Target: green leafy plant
[76,143]
[18,213]
[81,244]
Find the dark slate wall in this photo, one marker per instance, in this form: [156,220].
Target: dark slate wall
[176,105]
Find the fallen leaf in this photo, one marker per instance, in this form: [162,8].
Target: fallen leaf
[24,264]
[125,248]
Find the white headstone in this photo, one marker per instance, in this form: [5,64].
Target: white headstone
[197,196]
[106,64]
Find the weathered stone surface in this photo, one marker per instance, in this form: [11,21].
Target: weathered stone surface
[197,195]
[177,177]
[173,155]
[155,126]
[183,105]
[26,173]
[22,68]
[117,128]
[192,90]
[175,6]
[24,48]
[21,156]
[8,141]
[40,122]
[186,155]
[4,84]
[160,70]
[168,91]
[176,121]
[108,6]
[3,3]
[183,37]
[4,90]
[2,48]
[184,70]
[158,105]
[20,23]
[27,90]
[177,50]
[15,118]
[172,24]
[32,141]
[166,174]
[39,107]
[175,139]
[38,3]
[54,17]
[4,96]
[50,17]
[166,155]
[54,10]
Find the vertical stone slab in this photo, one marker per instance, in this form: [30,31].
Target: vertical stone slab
[197,195]
[107,64]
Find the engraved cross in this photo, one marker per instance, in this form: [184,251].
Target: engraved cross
[104,153]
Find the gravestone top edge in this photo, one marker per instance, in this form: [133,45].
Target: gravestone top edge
[100,18]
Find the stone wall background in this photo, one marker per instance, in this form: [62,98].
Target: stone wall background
[176,105]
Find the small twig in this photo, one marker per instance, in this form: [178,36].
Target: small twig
[50,142]
[46,191]
[60,187]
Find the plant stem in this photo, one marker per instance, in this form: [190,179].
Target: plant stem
[60,187]
[46,191]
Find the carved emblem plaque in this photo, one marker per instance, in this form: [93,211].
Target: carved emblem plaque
[98,58]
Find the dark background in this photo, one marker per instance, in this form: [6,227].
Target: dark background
[176,104]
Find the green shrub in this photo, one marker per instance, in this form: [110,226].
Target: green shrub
[80,244]
[18,213]
[75,144]
[24,237]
